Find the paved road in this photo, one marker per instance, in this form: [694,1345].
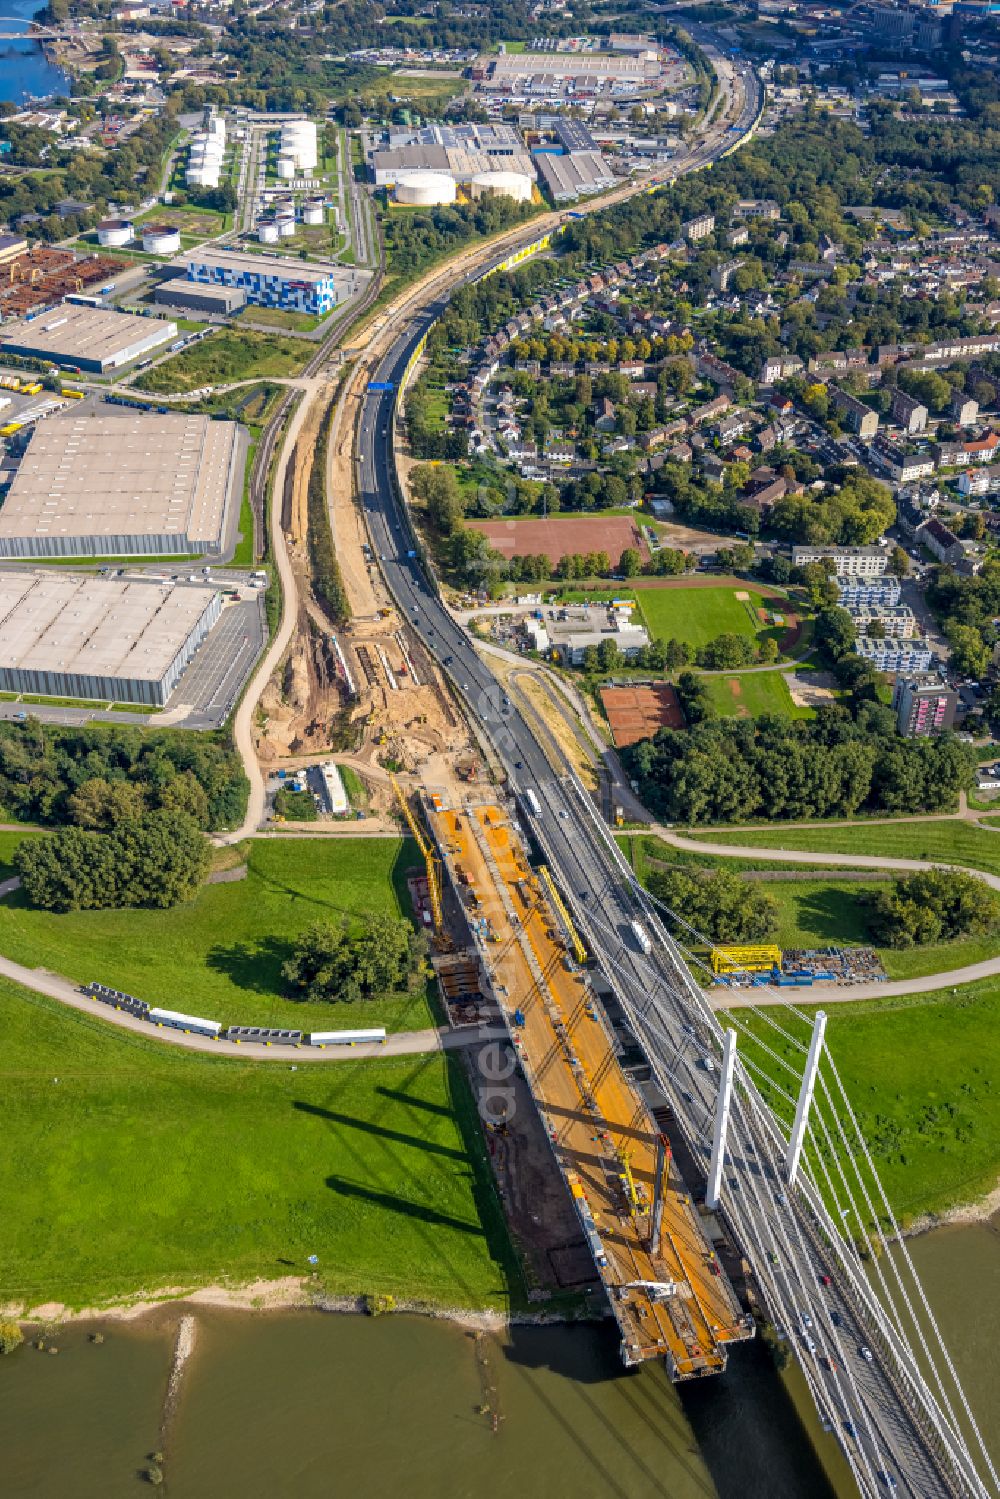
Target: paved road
[807,856]
[403,1043]
[884,1397]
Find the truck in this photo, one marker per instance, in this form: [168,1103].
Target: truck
[534,806]
[642,937]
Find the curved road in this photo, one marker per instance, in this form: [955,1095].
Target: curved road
[403,1043]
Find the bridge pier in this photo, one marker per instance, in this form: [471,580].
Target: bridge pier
[721,1122]
[805,1098]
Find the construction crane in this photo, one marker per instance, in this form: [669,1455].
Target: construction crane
[430,859]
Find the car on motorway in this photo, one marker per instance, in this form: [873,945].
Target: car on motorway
[825,1280]
[866,1353]
[886,1478]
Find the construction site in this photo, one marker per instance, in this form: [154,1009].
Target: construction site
[366,688]
[43,276]
[506,950]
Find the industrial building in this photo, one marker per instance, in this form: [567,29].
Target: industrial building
[924,705]
[221,301]
[139,484]
[575,175]
[62,635]
[89,338]
[461,152]
[267,281]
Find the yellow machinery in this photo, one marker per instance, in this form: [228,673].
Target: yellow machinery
[746,959]
[579,951]
[430,859]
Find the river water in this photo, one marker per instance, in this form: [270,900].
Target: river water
[312,1405]
[25,71]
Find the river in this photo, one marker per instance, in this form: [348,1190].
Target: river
[25,71]
[309,1404]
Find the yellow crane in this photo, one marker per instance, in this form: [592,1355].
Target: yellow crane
[430,859]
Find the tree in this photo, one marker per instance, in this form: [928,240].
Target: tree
[100,805]
[630,562]
[720,905]
[157,860]
[899,563]
[970,656]
[379,954]
[931,906]
[834,632]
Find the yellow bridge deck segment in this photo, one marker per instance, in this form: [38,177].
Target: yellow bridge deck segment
[603,1136]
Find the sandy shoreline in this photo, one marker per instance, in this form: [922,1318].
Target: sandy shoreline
[288,1294]
[963,1216]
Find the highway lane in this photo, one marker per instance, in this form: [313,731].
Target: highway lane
[875,1406]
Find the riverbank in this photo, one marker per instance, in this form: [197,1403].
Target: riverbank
[290,1293]
[965,1215]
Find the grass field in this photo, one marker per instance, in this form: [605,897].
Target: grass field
[945,841]
[221,956]
[751,694]
[280,317]
[223,356]
[696,615]
[816,913]
[143,1168]
[919,1072]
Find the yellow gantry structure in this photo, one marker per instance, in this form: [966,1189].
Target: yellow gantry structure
[430,859]
[760,959]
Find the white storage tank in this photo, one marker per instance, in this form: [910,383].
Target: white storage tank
[286,168]
[286,226]
[514,185]
[313,211]
[426,189]
[161,239]
[112,232]
[268,232]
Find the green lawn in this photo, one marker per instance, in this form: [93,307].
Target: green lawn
[751,694]
[920,1072]
[818,913]
[130,1167]
[279,317]
[946,841]
[221,956]
[223,356]
[696,615]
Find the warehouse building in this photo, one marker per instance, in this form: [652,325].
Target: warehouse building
[267,281]
[575,175]
[126,485]
[63,635]
[88,338]
[196,296]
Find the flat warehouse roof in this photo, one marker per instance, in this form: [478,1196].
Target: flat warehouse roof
[282,267]
[95,626]
[86,332]
[137,475]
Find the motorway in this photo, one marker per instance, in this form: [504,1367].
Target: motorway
[864,1378]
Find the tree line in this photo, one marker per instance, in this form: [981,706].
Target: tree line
[772,768]
[99,775]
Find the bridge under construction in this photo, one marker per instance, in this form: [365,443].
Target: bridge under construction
[650,1244]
